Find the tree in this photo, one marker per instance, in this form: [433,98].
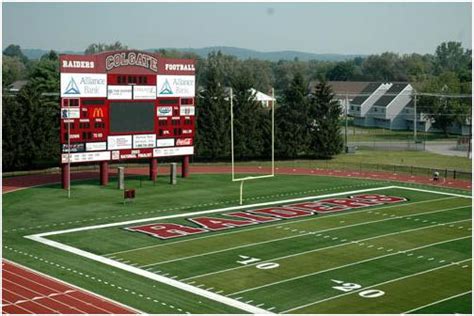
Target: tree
[342,71]
[291,120]
[15,51]
[13,69]
[444,111]
[451,57]
[325,112]
[212,113]
[102,47]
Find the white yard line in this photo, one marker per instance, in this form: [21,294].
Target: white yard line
[440,301]
[278,223]
[169,281]
[324,248]
[231,208]
[297,236]
[374,285]
[351,264]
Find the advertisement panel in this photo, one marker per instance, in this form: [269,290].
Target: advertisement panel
[164,111]
[175,86]
[186,110]
[119,142]
[136,153]
[144,141]
[86,156]
[173,151]
[184,141]
[165,142]
[83,85]
[96,146]
[144,92]
[119,92]
[73,113]
[73,148]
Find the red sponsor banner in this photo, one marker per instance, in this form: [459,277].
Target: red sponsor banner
[184,141]
[259,216]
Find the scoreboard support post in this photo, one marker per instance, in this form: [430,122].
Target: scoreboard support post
[153,168]
[104,173]
[65,176]
[185,167]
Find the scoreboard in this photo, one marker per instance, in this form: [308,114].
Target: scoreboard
[126,105]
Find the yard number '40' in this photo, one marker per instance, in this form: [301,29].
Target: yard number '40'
[347,287]
[263,266]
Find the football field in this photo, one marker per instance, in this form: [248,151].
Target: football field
[383,249]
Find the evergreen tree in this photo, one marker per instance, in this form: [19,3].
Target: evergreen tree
[291,120]
[212,114]
[325,112]
[248,119]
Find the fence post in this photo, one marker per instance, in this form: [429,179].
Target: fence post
[411,170]
[454,174]
[445,173]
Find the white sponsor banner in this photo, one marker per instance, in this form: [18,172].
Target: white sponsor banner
[144,92]
[119,142]
[175,86]
[85,156]
[119,92]
[164,111]
[96,146]
[165,142]
[67,113]
[186,110]
[83,85]
[173,151]
[144,141]
[116,155]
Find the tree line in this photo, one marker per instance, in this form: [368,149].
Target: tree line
[306,122]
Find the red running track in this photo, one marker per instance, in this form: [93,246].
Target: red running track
[22,182]
[27,292]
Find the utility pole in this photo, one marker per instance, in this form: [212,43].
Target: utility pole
[345,128]
[69,149]
[414,116]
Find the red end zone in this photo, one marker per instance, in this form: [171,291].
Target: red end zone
[27,292]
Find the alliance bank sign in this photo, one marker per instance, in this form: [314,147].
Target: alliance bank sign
[131,59]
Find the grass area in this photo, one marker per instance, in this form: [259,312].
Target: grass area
[288,242]
[360,134]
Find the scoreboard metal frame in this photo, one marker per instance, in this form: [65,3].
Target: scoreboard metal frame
[93,87]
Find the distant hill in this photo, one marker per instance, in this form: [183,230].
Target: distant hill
[240,53]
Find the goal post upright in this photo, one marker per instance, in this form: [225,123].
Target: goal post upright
[242,180]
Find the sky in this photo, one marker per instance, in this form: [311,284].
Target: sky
[341,28]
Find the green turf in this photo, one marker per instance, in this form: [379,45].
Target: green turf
[459,305]
[293,244]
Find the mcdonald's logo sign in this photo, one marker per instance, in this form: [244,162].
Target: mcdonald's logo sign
[97,112]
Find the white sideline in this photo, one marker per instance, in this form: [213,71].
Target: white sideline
[178,284]
[149,275]
[431,191]
[230,208]
[436,302]
[375,285]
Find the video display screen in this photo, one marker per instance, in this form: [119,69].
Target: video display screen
[126,117]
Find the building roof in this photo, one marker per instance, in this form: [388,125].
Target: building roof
[340,88]
[390,94]
[17,85]
[366,92]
